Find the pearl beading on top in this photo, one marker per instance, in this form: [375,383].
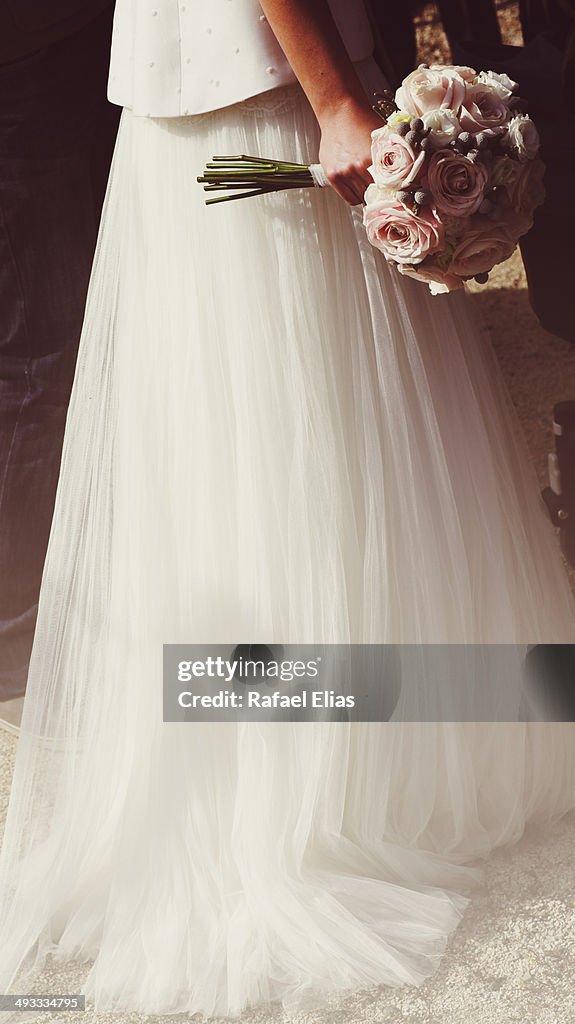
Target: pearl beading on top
[175,62]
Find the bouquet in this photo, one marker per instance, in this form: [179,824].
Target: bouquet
[456,175]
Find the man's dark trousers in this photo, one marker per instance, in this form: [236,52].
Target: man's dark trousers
[57,133]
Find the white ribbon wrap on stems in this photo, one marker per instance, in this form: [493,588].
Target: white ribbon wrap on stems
[319,176]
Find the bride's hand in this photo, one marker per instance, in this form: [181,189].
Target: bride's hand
[345,150]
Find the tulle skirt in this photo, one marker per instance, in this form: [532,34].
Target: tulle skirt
[273,438]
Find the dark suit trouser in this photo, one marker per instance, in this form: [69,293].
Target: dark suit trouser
[57,132]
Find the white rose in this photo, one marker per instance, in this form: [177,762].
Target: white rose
[444,125]
[439,281]
[503,85]
[522,136]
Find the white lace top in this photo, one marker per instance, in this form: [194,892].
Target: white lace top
[176,57]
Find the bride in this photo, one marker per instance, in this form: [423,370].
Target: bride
[273,437]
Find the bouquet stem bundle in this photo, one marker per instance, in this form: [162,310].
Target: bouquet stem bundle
[236,177]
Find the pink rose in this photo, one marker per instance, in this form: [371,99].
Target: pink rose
[456,183]
[484,108]
[395,162]
[400,234]
[484,244]
[439,281]
[431,89]
[468,74]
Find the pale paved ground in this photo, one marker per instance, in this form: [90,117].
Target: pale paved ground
[513,957]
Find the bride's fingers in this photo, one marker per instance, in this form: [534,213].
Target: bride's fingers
[359,185]
[351,182]
[359,180]
[347,188]
[366,180]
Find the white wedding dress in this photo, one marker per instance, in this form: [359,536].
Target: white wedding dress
[272,438]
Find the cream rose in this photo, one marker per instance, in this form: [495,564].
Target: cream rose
[395,162]
[457,184]
[400,234]
[439,281]
[444,126]
[483,108]
[431,89]
[503,85]
[484,244]
[522,137]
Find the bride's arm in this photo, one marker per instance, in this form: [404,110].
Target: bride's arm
[311,42]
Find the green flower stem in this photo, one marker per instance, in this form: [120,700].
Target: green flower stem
[253,175]
[242,195]
[231,176]
[260,160]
